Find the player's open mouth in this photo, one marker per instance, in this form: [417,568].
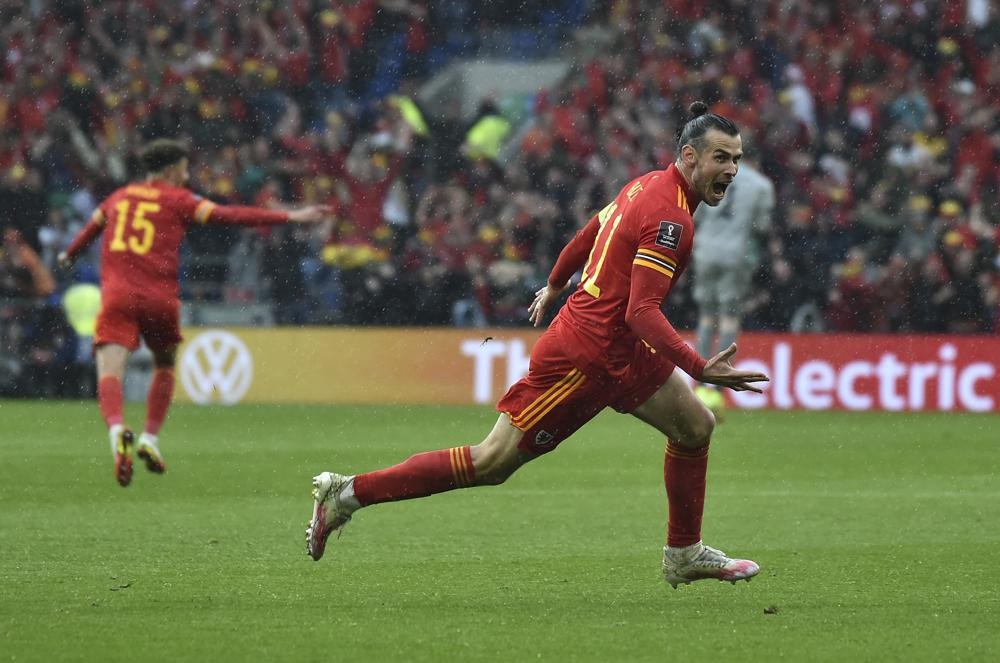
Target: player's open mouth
[719,188]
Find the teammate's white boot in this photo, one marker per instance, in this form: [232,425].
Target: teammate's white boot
[333,504]
[121,448]
[699,562]
[150,453]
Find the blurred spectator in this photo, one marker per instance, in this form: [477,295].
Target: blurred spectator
[964,307]
[933,293]
[487,133]
[24,283]
[81,303]
[917,239]
[281,272]
[22,274]
[49,349]
[853,302]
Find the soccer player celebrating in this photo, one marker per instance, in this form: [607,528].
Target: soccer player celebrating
[610,345]
[147,221]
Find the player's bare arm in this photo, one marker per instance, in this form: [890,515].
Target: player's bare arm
[310,214]
[720,371]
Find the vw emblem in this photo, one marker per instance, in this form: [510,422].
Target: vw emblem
[216,365]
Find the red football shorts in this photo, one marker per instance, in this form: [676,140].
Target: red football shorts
[122,320]
[555,398]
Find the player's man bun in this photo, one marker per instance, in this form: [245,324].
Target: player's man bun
[697,109]
[700,121]
[161,153]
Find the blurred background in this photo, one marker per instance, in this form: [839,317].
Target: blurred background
[463,143]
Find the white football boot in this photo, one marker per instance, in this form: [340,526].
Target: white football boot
[682,566]
[122,442]
[332,510]
[149,452]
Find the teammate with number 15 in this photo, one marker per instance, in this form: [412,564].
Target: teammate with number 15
[610,345]
[147,221]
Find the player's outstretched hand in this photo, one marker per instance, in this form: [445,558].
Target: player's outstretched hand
[310,214]
[719,370]
[543,300]
[64,261]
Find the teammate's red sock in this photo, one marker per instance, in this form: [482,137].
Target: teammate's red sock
[418,476]
[109,399]
[161,390]
[684,472]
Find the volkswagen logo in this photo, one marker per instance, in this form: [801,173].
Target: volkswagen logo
[216,365]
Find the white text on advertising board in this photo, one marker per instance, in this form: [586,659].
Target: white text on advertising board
[484,354]
[887,383]
[883,381]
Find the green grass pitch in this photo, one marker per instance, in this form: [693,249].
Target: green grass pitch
[878,536]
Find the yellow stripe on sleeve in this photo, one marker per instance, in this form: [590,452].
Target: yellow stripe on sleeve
[203,211]
[655,254]
[666,271]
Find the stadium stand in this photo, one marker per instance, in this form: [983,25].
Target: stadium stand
[877,122]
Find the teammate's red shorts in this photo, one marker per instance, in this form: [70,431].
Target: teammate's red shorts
[123,319]
[555,398]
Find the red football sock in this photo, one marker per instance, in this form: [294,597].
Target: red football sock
[161,390]
[418,476]
[684,472]
[109,399]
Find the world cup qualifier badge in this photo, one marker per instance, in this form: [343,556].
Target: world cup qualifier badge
[669,235]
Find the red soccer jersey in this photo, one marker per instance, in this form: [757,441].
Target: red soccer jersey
[635,248]
[145,224]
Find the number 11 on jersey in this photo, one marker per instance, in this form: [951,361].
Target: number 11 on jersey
[600,246]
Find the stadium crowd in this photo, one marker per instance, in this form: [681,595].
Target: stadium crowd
[878,124]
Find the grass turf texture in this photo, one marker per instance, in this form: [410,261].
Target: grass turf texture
[877,536]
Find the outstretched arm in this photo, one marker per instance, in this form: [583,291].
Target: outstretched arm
[209,212]
[83,239]
[571,258]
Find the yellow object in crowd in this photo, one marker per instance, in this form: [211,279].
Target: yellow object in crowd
[81,302]
[411,113]
[352,256]
[486,137]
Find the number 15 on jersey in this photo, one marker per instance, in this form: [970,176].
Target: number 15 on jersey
[140,241]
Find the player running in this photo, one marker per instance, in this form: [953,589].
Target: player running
[147,221]
[610,345]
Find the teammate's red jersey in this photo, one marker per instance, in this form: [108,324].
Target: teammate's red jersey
[143,225]
[631,252]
